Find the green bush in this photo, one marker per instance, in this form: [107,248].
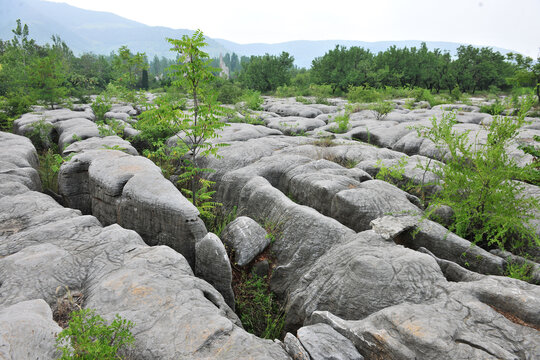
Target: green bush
[88,336]
[363,94]
[40,135]
[49,165]
[253,99]
[456,94]
[342,122]
[100,106]
[477,183]
[494,109]
[381,109]
[285,91]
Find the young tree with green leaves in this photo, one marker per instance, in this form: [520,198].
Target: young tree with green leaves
[197,126]
[527,72]
[47,77]
[129,67]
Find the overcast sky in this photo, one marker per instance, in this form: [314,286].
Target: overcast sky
[511,24]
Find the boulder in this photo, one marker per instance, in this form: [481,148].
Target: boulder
[372,199]
[295,348]
[97,143]
[131,191]
[298,110]
[73,130]
[27,331]
[491,318]
[19,162]
[323,343]
[212,264]
[245,238]
[362,276]
[293,125]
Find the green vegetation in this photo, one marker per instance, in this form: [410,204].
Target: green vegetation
[266,73]
[478,183]
[260,312]
[381,109]
[88,336]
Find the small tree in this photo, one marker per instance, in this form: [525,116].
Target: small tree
[478,183]
[194,73]
[47,76]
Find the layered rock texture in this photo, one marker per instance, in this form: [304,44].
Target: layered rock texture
[361,273]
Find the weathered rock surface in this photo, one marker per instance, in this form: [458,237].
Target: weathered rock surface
[108,142]
[322,343]
[295,348]
[485,319]
[73,130]
[288,109]
[246,238]
[291,125]
[27,331]
[212,264]
[44,246]
[131,191]
[363,276]
[18,163]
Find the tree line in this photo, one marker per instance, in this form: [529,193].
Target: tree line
[30,72]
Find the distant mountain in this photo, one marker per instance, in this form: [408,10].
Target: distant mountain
[89,31]
[102,32]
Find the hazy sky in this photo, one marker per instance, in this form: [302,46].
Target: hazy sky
[511,24]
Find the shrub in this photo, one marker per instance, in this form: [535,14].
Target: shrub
[363,94]
[253,99]
[342,122]
[303,100]
[381,109]
[88,336]
[477,182]
[455,93]
[227,92]
[49,165]
[100,106]
[40,135]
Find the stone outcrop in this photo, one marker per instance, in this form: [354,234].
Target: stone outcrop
[131,191]
[44,246]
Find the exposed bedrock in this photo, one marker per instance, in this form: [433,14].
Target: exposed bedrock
[131,191]
[18,164]
[45,247]
[490,318]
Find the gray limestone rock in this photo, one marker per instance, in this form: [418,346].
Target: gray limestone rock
[299,110]
[19,162]
[357,207]
[291,125]
[212,264]
[130,190]
[98,143]
[27,331]
[490,318]
[246,238]
[389,227]
[295,348]
[324,343]
[363,276]
[44,246]
[73,130]
[447,245]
